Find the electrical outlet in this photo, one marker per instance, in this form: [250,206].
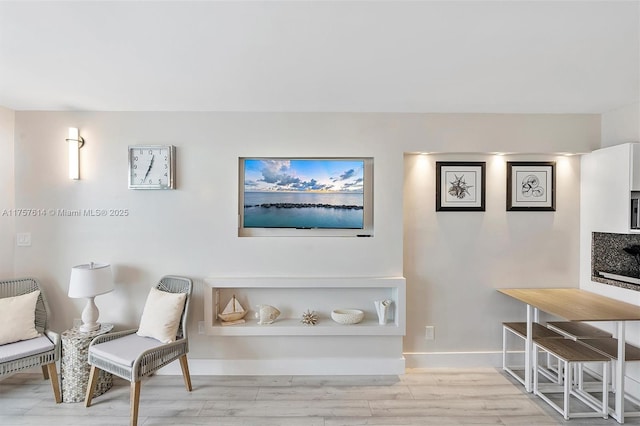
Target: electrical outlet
[200,327]
[23,239]
[430,332]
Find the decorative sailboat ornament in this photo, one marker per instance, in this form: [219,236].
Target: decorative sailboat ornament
[233,313]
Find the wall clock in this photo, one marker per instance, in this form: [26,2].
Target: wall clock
[152,166]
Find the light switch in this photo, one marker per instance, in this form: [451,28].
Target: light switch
[430,332]
[23,239]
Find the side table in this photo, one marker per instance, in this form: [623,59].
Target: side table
[74,368]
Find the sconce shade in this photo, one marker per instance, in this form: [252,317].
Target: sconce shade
[90,280]
[75,142]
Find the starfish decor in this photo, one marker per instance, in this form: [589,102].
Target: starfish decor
[459,187]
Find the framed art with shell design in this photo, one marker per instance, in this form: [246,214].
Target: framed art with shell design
[531,186]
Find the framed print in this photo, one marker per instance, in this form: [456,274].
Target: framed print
[460,186]
[531,186]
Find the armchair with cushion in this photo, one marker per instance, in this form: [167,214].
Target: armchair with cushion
[160,339]
[25,341]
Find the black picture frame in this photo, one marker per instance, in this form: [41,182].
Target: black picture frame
[460,186]
[531,186]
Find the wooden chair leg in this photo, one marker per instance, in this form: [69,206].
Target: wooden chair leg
[135,401]
[53,374]
[93,380]
[185,372]
[45,373]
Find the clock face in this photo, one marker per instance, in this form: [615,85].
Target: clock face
[151,166]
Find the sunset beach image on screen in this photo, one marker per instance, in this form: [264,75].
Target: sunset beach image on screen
[304,193]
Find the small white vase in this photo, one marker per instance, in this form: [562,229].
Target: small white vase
[382,309]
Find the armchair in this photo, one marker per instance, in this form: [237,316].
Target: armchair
[132,357]
[41,351]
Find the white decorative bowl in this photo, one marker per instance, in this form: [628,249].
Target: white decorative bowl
[347,316]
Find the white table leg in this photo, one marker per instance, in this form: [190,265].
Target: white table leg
[528,348]
[619,373]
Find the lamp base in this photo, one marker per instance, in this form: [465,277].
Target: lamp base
[90,317]
[88,328]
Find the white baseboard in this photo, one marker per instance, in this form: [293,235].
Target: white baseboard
[295,366]
[339,366]
[453,359]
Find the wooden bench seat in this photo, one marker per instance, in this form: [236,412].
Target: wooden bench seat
[570,350]
[577,330]
[539,330]
[609,346]
[571,353]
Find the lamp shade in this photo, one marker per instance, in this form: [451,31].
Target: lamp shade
[90,280]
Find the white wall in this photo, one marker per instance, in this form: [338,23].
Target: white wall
[454,261]
[7,184]
[192,230]
[621,125]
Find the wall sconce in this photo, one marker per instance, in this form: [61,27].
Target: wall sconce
[75,142]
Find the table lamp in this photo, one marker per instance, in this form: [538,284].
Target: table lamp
[89,281]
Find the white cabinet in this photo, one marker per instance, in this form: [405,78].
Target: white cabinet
[635,166]
[609,179]
[294,295]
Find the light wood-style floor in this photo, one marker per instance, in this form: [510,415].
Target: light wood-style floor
[419,397]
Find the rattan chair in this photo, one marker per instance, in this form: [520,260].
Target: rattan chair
[137,357]
[41,351]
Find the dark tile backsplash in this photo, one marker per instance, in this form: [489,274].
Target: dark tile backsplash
[607,255]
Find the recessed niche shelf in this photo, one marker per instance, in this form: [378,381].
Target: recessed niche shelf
[294,295]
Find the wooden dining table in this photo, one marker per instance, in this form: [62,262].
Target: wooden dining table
[573,304]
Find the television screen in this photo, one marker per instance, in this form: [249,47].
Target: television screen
[303,193]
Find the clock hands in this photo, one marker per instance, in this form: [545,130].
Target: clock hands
[149,169]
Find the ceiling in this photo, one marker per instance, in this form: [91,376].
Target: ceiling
[504,56]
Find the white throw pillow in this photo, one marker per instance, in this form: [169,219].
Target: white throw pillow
[161,315]
[18,318]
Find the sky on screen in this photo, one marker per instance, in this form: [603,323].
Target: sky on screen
[312,175]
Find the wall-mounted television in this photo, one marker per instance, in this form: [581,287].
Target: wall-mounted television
[306,197]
